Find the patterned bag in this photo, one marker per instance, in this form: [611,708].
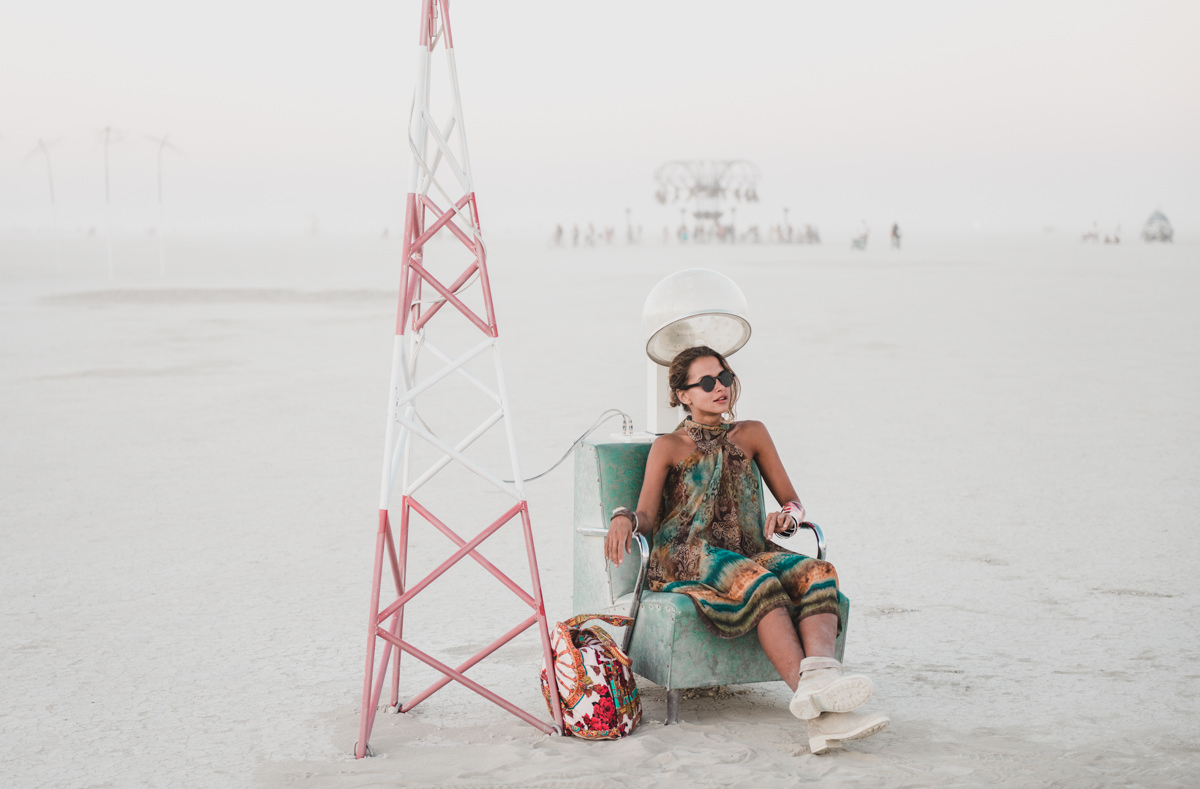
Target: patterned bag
[595,683]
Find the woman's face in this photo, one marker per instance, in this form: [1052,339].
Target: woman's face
[714,402]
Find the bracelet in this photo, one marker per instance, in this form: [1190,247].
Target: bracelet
[792,509]
[628,513]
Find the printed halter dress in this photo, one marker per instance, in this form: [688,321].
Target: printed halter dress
[709,543]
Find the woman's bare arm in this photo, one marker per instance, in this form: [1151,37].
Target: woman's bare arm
[754,436]
[664,453]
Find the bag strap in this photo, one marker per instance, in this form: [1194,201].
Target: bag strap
[601,635]
[611,619]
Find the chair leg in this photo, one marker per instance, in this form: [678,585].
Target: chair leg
[672,707]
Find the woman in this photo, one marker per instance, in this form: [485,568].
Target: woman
[699,506]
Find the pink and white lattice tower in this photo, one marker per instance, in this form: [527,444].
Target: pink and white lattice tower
[442,218]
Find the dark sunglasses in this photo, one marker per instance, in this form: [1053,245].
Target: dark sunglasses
[708,383]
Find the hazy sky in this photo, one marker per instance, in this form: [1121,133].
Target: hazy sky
[942,115]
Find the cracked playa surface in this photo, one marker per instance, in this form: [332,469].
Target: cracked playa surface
[1000,444]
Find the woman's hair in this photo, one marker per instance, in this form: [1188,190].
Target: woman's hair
[677,375]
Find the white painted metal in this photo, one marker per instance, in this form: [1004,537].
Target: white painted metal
[660,416]
[433,149]
[389,442]
[445,460]
[444,148]
[428,382]
[466,462]
[437,159]
[487,390]
[519,481]
[458,107]
[416,120]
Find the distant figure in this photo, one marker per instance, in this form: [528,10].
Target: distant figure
[385,231]
[575,237]
[590,238]
[895,235]
[860,241]
[558,235]
[1092,235]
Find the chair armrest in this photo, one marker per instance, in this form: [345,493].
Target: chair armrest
[820,535]
[644,551]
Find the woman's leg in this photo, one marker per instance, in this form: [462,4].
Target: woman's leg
[779,641]
[818,634]
[821,693]
[785,650]
[811,586]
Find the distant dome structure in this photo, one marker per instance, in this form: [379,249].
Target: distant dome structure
[1157,228]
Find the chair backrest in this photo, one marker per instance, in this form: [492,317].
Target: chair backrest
[608,474]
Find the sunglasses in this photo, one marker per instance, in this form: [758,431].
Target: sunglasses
[708,383]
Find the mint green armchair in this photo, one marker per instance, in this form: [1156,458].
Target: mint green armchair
[668,643]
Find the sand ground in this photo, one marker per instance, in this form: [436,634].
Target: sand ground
[1001,438]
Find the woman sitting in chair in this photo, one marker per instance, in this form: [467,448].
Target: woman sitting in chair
[699,508]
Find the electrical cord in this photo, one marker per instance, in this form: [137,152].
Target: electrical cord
[626,419]
[626,430]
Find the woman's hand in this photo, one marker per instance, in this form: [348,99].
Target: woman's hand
[781,522]
[619,539]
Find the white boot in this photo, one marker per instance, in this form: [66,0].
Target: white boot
[831,729]
[824,688]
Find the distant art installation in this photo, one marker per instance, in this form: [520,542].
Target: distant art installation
[163,145]
[43,148]
[1157,228]
[107,134]
[706,186]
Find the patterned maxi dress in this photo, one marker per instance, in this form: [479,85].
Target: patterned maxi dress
[709,544]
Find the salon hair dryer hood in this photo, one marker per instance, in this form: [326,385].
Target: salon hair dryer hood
[694,307]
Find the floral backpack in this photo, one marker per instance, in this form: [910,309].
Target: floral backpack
[595,682]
